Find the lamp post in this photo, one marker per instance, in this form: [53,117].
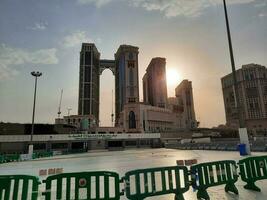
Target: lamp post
[242,130]
[241,124]
[36,75]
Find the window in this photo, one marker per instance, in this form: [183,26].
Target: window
[86,107]
[256,105]
[88,58]
[251,76]
[188,98]
[131,56]
[252,92]
[265,89]
[131,77]
[87,75]
[131,64]
[87,91]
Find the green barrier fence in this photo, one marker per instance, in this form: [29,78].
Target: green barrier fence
[139,184]
[21,187]
[144,183]
[253,169]
[2,159]
[11,157]
[211,174]
[99,185]
[42,154]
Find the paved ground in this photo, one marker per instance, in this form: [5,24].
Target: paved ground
[123,161]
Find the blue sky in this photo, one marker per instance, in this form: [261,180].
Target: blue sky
[47,36]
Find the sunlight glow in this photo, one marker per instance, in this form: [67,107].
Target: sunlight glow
[173,77]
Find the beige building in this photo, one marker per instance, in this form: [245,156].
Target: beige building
[252,90]
[140,117]
[154,83]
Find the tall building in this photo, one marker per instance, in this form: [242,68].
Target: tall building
[126,77]
[156,113]
[154,83]
[252,90]
[89,81]
[184,95]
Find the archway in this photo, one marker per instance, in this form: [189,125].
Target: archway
[132,122]
[106,100]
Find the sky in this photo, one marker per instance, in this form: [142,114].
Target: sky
[46,36]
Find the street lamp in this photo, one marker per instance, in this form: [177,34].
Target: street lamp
[242,130]
[36,75]
[241,124]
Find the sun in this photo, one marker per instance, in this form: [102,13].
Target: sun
[173,77]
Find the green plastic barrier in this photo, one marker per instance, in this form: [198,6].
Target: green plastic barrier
[253,169]
[12,157]
[42,154]
[99,185]
[143,183]
[18,187]
[212,174]
[2,159]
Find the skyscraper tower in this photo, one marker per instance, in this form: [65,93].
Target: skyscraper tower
[89,81]
[126,77]
[154,83]
[184,95]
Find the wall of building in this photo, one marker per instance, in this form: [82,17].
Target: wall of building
[184,95]
[150,118]
[154,83]
[252,92]
[126,78]
[89,81]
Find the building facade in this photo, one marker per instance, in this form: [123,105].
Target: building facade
[126,78]
[185,103]
[252,91]
[140,117]
[156,113]
[88,103]
[154,83]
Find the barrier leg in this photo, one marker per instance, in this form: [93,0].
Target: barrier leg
[230,187]
[179,196]
[252,186]
[203,194]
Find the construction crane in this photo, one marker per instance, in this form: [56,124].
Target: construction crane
[59,106]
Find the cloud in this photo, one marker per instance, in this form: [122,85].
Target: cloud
[10,57]
[39,26]
[97,3]
[75,39]
[170,8]
[189,8]
[261,15]
[261,4]
[6,73]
